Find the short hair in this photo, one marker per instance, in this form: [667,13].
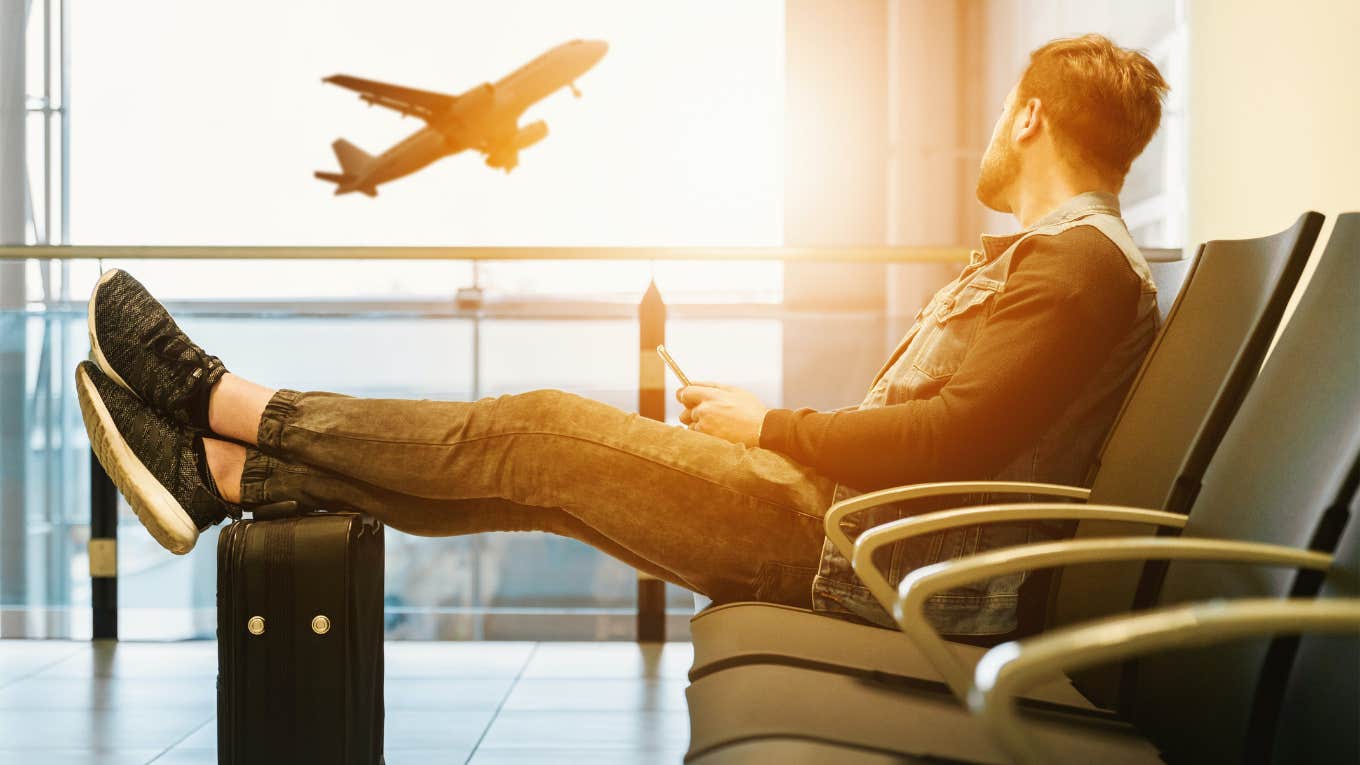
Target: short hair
[1104,102]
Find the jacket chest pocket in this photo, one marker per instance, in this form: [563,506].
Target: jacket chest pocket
[953,326]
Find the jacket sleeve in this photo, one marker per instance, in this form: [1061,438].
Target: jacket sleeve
[1068,301]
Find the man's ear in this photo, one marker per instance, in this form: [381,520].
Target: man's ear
[1027,121]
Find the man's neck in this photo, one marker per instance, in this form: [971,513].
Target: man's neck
[1037,198]
[1034,203]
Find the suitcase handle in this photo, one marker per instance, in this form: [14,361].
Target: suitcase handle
[288,508]
[276,510]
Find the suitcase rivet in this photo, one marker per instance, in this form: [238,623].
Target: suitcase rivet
[256,625]
[320,624]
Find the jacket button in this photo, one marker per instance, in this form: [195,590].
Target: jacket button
[256,625]
[320,624]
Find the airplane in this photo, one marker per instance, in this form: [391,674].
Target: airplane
[485,118]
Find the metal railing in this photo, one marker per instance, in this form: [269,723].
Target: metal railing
[650,313]
[216,252]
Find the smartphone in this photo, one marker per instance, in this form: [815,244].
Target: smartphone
[670,362]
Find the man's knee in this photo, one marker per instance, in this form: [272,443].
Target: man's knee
[542,398]
[548,408]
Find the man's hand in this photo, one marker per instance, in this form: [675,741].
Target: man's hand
[724,411]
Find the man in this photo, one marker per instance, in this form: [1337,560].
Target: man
[1015,370]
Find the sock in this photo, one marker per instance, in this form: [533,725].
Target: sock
[198,408]
[201,454]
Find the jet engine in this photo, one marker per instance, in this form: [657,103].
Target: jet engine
[506,156]
[530,134]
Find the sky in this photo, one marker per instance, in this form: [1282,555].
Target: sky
[198,123]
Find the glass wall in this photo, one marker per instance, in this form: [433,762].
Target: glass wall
[202,125]
[490,586]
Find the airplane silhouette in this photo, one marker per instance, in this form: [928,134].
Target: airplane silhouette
[485,118]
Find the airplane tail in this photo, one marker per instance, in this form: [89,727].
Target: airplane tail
[353,160]
[354,163]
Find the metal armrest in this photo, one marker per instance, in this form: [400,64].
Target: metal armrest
[870,541]
[919,585]
[839,511]
[1010,669]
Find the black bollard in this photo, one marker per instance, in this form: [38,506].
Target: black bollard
[103,552]
[651,604]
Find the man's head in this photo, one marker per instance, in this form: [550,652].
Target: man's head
[1084,108]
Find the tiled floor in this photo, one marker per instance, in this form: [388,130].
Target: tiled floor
[480,703]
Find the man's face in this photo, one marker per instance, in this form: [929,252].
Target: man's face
[1001,162]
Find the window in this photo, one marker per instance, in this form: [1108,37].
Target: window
[202,125]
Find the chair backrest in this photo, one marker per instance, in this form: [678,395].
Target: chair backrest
[1169,270]
[1284,473]
[1210,348]
[1319,706]
[1188,389]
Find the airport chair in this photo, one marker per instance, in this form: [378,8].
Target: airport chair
[807,715]
[1316,705]
[1310,732]
[1286,700]
[1281,482]
[1213,340]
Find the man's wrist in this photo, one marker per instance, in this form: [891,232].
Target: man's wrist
[775,429]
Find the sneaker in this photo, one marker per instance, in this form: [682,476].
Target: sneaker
[151,460]
[139,346]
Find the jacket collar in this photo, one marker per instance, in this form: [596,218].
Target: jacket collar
[1078,206]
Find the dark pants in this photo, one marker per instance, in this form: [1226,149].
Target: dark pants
[725,520]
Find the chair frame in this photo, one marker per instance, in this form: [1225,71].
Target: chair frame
[1008,670]
[919,585]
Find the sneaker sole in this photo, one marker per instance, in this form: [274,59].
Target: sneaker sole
[95,350]
[159,512]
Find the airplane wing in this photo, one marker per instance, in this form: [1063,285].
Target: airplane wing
[420,103]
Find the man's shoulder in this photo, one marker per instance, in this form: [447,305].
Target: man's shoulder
[1079,255]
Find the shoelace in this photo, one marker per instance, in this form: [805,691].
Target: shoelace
[169,344]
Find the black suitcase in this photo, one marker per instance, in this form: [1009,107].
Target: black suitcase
[300,640]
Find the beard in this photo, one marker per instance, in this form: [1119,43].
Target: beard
[1000,168]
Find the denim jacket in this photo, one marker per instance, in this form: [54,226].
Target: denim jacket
[922,364]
